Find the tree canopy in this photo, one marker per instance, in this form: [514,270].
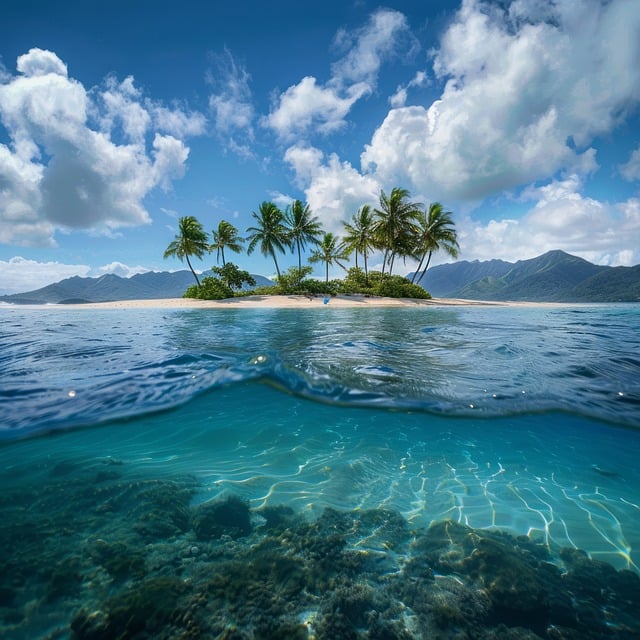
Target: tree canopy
[226,235]
[191,240]
[397,227]
[270,232]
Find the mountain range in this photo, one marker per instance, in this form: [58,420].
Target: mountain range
[555,276]
[109,287]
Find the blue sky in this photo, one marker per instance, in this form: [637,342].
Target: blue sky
[116,118]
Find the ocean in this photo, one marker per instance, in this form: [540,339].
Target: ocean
[462,472]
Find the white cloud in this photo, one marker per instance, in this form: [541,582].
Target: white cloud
[385,34]
[525,94]
[81,159]
[399,98]
[121,104]
[232,104]
[304,161]
[5,76]
[334,190]
[121,107]
[120,269]
[177,122]
[20,275]
[561,218]
[310,107]
[306,105]
[282,200]
[39,62]
[631,170]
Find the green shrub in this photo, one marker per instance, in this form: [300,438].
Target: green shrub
[191,292]
[210,289]
[319,287]
[234,277]
[354,282]
[290,281]
[399,287]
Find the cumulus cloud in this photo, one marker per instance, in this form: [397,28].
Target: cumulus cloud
[20,275]
[311,107]
[526,91]
[39,62]
[307,105]
[81,159]
[562,218]
[120,269]
[334,190]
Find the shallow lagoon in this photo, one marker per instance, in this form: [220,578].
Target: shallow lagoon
[329,438]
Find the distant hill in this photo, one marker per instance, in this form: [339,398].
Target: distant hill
[555,276]
[142,286]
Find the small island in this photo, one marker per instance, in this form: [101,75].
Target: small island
[397,227]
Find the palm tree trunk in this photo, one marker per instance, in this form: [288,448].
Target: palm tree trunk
[426,266]
[366,273]
[273,255]
[186,255]
[415,273]
[299,257]
[327,272]
[223,262]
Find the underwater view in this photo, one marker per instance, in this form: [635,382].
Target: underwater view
[432,472]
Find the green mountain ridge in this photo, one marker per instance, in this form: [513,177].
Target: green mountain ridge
[555,276]
[110,287]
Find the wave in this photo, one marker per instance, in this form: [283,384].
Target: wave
[469,362]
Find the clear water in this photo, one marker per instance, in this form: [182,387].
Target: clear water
[521,419]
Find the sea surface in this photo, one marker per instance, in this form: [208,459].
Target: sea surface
[158,465]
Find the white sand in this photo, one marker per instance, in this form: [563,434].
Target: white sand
[288,301]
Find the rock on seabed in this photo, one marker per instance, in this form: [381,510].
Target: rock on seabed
[98,556]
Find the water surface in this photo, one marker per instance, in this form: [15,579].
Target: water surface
[518,420]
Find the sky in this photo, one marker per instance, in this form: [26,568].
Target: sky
[522,117]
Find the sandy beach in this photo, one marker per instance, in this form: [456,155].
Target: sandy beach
[291,301]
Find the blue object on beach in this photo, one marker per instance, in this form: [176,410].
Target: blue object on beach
[326,300]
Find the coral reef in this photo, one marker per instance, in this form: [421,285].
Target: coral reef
[95,554]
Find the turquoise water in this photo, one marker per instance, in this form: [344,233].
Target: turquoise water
[519,420]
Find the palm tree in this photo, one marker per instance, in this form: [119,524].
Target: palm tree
[226,235]
[359,237]
[329,250]
[395,224]
[270,232]
[303,227]
[191,240]
[435,231]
